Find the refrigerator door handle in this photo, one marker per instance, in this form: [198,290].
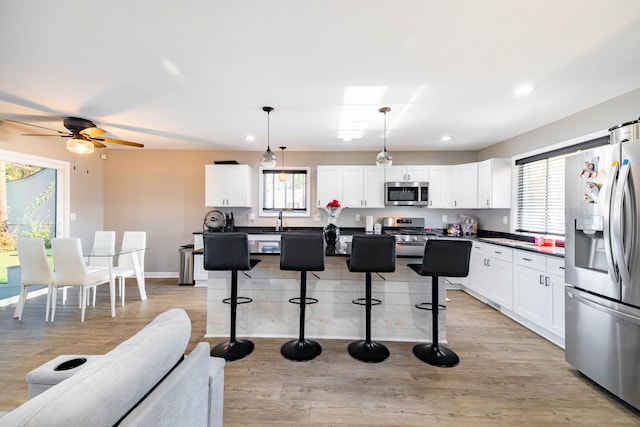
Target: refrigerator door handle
[617,234]
[609,200]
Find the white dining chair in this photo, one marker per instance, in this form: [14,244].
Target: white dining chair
[70,270]
[103,241]
[35,270]
[126,265]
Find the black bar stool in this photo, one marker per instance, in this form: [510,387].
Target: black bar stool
[371,253]
[229,251]
[301,252]
[448,258]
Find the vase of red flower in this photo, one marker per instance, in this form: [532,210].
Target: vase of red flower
[331,231]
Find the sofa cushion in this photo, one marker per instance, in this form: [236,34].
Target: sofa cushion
[183,395]
[101,394]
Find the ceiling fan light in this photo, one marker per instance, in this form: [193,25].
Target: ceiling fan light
[80,146]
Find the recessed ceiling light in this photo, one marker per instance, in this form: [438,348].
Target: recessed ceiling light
[250,138]
[446,138]
[525,90]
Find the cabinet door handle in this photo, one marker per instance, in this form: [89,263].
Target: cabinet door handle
[487,202]
[497,252]
[541,279]
[488,263]
[527,259]
[546,281]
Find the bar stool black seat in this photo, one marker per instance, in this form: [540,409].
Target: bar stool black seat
[449,258]
[302,252]
[371,253]
[223,252]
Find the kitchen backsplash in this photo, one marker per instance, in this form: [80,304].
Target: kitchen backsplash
[488,219]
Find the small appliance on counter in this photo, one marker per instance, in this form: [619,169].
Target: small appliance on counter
[214,221]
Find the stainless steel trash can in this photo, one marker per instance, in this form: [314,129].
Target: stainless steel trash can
[186,265]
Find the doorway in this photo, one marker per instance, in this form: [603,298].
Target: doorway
[33,203]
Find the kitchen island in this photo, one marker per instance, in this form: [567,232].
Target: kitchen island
[334,316]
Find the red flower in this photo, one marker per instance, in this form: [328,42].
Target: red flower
[334,204]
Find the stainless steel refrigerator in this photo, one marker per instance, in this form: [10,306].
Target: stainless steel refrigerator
[602,263]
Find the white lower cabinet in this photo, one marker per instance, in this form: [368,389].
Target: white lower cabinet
[538,282]
[523,285]
[490,273]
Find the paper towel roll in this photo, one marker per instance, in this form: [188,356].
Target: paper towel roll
[369,224]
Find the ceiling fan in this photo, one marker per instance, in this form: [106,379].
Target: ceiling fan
[84,134]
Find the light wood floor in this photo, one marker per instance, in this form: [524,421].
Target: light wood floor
[507,375]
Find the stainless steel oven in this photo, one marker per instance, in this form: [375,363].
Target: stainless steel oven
[406,193]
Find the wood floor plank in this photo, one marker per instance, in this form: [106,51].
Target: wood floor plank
[507,375]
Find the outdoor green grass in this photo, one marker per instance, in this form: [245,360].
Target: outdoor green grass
[8,259]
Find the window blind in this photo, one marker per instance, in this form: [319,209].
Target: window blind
[541,196]
[290,195]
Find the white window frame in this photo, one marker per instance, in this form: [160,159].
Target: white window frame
[63,186]
[305,214]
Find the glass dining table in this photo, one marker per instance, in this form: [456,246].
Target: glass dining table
[106,252]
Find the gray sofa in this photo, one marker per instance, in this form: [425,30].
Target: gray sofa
[144,381]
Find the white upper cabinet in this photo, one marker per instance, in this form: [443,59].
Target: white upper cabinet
[464,186]
[227,186]
[439,186]
[373,187]
[328,184]
[352,186]
[418,173]
[494,183]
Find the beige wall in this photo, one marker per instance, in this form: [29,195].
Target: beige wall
[162,192]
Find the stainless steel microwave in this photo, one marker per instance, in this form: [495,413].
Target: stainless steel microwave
[406,193]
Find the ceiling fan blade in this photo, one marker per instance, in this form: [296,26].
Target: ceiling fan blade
[97,144]
[38,126]
[120,142]
[44,134]
[92,132]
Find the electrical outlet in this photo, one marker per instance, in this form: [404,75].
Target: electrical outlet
[252,216]
[505,220]
[357,217]
[444,218]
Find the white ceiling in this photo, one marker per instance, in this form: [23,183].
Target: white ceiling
[195,74]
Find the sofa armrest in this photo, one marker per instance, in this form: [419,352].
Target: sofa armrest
[216,391]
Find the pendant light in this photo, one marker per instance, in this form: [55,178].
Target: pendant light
[384,159]
[268,159]
[282,176]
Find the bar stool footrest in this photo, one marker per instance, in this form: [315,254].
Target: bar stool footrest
[307,300]
[429,306]
[363,301]
[240,300]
